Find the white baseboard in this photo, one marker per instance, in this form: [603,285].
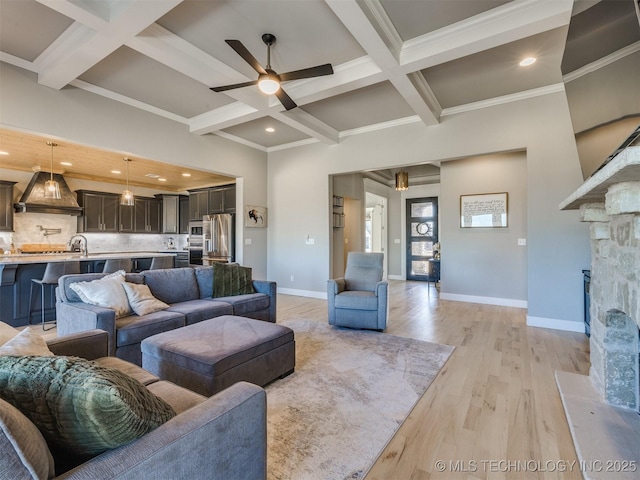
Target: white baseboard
[556,324]
[395,277]
[503,302]
[303,293]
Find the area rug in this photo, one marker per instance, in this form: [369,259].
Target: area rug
[350,392]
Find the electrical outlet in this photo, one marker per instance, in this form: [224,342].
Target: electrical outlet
[522,242]
[248,241]
[396,240]
[309,241]
[292,278]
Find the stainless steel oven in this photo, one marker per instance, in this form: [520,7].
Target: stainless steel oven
[196,242]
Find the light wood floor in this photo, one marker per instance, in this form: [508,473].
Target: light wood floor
[494,410]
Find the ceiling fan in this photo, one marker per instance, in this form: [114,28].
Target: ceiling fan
[268,80]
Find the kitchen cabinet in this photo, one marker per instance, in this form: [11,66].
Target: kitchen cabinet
[198,204]
[101,212]
[184,214]
[147,215]
[6,206]
[170,213]
[222,200]
[127,219]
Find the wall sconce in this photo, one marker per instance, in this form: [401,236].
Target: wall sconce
[402,181]
[51,187]
[127,195]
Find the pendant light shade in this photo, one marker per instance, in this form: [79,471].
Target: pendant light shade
[51,187]
[402,181]
[127,198]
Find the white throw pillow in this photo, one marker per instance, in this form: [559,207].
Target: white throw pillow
[7,332]
[105,292]
[27,342]
[142,300]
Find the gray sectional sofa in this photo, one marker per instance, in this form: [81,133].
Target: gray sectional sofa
[187,291]
[223,437]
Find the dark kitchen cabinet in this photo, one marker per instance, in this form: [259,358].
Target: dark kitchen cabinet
[6,206]
[184,214]
[127,219]
[147,215]
[222,200]
[198,204]
[101,212]
[170,213]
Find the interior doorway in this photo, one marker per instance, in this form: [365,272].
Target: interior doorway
[422,235]
[375,226]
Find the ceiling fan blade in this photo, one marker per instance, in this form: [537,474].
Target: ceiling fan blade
[317,71]
[285,99]
[235,85]
[246,55]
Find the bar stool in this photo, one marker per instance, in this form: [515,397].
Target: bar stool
[112,265]
[52,272]
[161,262]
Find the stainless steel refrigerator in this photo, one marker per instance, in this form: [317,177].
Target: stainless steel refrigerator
[218,236]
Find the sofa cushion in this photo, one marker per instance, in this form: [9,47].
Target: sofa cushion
[25,453]
[128,368]
[105,292]
[78,406]
[7,332]
[357,300]
[133,329]
[26,342]
[142,300]
[204,277]
[172,285]
[231,279]
[178,397]
[198,310]
[243,304]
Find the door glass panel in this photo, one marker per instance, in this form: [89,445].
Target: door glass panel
[419,267]
[421,249]
[422,209]
[421,229]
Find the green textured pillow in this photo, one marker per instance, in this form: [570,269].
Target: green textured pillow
[79,407]
[231,279]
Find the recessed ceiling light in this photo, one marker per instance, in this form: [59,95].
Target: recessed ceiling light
[270,129]
[162,179]
[66,164]
[186,174]
[4,153]
[118,172]
[527,61]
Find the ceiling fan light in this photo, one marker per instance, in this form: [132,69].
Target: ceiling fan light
[269,84]
[402,181]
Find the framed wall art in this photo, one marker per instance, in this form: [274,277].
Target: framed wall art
[255,216]
[488,210]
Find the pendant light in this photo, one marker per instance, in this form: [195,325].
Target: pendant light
[127,196]
[51,187]
[402,181]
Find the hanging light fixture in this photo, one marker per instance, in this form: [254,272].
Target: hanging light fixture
[402,181]
[127,196]
[51,187]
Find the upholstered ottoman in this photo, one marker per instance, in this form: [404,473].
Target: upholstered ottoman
[211,355]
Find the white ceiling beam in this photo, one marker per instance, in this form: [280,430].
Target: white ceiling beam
[510,22]
[80,47]
[307,123]
[371,27]
[86,15]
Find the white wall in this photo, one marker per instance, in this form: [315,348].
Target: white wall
[81,117]
[558,245]
[485,263]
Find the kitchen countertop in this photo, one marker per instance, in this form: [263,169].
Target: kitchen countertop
[18,258]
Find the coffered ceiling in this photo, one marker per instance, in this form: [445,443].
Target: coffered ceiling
[395,61]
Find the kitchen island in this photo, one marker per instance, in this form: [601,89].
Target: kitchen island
[17,271]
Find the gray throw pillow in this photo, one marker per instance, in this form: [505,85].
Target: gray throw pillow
[78,406]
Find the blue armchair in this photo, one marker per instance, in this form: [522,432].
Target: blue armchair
[359,299]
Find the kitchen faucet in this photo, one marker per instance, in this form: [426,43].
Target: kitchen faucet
[85,245]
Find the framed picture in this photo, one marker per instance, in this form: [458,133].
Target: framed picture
[483,210]
[255,216]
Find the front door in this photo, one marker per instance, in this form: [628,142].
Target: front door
[422,234]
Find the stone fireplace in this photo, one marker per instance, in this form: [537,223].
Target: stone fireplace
[603,408]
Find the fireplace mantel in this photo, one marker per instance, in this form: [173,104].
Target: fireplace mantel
[624,167]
